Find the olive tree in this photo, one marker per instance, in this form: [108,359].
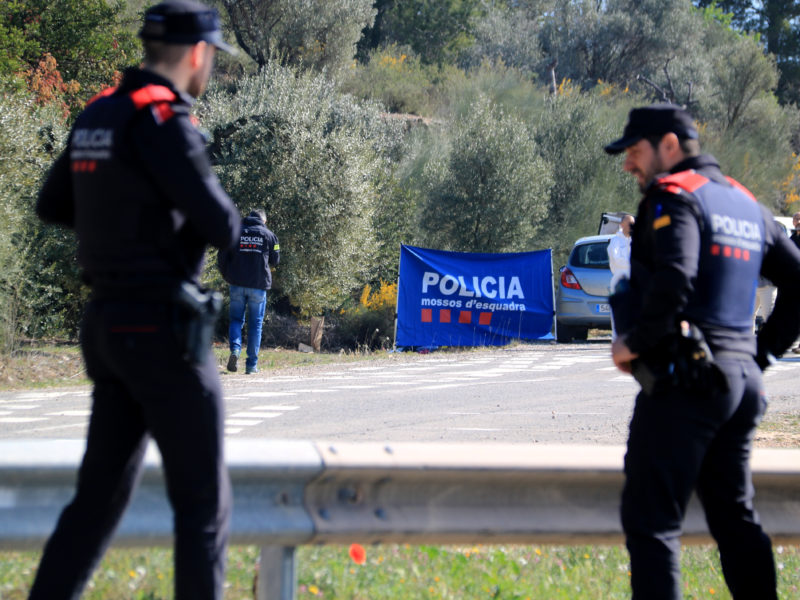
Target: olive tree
[490,189]
[321,34]
[571,130]
[316,161]
[506,35]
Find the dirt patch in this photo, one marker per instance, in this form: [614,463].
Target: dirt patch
[779,430]
[35,366]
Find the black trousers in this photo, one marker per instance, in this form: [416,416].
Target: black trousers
[681,442]
[143,388]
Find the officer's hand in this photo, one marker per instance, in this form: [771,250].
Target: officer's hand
[622,355]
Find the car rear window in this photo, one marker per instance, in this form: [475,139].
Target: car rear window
[592,256]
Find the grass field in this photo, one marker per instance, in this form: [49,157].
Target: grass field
[401,572]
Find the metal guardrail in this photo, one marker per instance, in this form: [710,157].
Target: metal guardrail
[291,493]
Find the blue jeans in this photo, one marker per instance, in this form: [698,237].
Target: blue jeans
[254,301]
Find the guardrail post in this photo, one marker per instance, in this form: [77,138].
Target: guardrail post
[277,577]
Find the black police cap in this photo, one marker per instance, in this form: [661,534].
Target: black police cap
[653,120]
[183,22]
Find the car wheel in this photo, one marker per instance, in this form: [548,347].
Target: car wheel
[580,333]
[564,333]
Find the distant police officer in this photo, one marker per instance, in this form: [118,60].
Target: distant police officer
[699,243]
[136,185]
[246,269]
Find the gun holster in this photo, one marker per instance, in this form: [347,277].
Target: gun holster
[198,310]
[687,364]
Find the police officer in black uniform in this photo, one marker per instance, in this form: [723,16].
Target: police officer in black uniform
[699,243]
[245,267]
[136,185]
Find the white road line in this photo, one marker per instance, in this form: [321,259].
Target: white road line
[232,430]
[442,387]
[20,406]
[474,429]
[535,380]
[476,383]
[484,374]
[255,415]
[39,395]
[242,422]
[355,387]
[275,407]
[21,419]
[70,413]
[268,394]
[312,391]
[51,428]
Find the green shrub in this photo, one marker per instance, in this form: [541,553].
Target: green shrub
[36,262]
[395,77]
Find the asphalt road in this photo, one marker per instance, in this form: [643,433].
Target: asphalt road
[533,393]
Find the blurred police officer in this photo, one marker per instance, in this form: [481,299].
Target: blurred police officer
[699,243]
[246,269]
[136,185]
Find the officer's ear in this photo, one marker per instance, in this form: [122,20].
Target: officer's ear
[198,54]
[669,149]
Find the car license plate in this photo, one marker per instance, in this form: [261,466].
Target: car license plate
[602,309]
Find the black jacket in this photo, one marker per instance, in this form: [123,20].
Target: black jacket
[136,184]
[667,272]
[247,264]
[795,237]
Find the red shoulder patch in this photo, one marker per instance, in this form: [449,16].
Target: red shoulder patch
[162,111]
[741,188]
[106,92]
[689,181]
[150,94]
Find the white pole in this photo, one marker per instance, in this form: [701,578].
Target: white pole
[397,297]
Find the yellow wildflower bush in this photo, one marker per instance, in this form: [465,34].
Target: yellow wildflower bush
[369,323]
[791,185]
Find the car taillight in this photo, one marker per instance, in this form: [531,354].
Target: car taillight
[568,280]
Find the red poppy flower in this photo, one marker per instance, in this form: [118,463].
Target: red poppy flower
[358,554]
